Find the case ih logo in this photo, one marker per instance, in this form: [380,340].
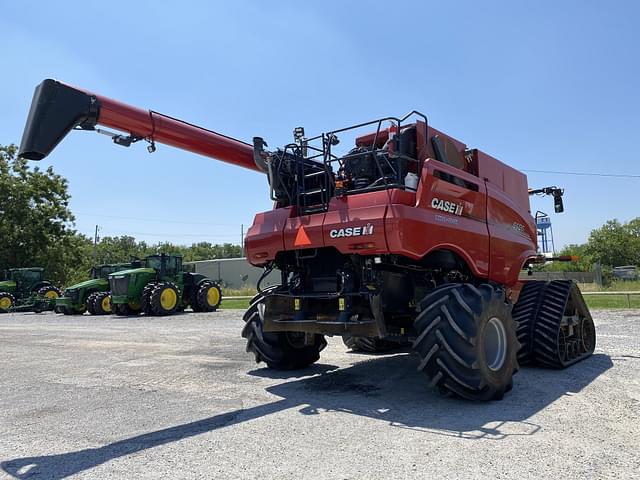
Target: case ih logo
[351,231]
[446,206]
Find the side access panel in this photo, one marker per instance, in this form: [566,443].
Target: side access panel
[450,214]
[511,227]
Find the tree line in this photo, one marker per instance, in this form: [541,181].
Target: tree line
[614,244]
[37,228]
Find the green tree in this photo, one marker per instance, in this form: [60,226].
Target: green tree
[36,225]
[615,243]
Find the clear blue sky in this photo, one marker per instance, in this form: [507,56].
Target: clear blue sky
[546,85]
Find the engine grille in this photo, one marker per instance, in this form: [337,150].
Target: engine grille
[119,286]
[72,294]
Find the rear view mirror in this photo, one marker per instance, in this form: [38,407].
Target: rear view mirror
[558,205]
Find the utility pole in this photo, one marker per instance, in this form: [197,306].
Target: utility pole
[242,238]
[95,245]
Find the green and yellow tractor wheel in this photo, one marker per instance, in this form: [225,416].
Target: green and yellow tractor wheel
[208,297]
[49,292]
[104,304]
[165,298]
[7,301]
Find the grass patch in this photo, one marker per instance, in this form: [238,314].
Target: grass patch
[240,304]
[239,292]
[615,286]
[593,301]
[611,301]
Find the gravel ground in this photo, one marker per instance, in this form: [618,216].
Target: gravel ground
[108,397]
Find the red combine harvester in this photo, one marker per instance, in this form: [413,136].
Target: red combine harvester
[407,237]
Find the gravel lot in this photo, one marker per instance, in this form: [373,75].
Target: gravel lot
[108,397]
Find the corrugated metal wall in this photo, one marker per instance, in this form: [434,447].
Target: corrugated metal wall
[234,272]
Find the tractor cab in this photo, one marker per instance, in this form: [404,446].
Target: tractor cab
[25,280]
[165,265]
[103,271]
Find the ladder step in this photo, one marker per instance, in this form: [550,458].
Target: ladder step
[313,192]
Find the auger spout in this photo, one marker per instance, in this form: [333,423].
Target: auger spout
[58,108]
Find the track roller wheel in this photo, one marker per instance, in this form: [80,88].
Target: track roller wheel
[165,298]
[7,302]
[146,298]
[369,344]
[208,297]
[279,350]
[102,304]
[466,341]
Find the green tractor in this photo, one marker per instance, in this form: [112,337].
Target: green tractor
[91,295]
[25,290]
[162,287]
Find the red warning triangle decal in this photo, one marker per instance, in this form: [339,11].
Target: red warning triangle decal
[302,239]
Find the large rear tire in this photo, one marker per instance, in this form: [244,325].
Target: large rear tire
[208,297]
[279,350]
[165,298]
[91,299]
[466,341]
[49,292]
[147,309]
[102,304]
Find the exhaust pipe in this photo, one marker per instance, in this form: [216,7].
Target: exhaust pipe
[56,109]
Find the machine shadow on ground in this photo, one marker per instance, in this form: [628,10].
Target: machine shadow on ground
[387,389]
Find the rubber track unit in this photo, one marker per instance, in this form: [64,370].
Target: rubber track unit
[453,326]
[555,323]
[369,344]
[276,348]
[524,313]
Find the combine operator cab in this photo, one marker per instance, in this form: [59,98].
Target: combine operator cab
[308,172]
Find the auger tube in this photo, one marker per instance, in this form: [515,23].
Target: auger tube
[58,108]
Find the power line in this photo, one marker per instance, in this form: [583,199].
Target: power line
[584,174]
[196,235]
[154,220]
